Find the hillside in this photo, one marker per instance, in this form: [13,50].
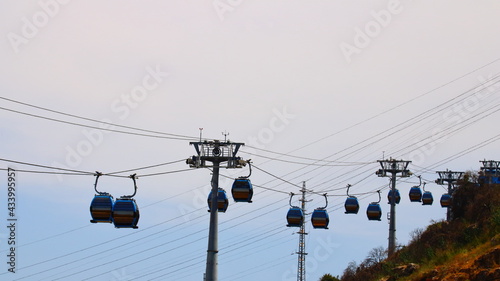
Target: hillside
[466,248]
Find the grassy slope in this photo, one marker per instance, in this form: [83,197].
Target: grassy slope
[467,248]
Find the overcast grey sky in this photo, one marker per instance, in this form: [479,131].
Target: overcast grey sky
[348,82]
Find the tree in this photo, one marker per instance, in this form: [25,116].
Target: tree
[350,271]
[376,255]
[329,277]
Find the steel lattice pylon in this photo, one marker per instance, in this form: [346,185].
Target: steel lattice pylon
[301,268]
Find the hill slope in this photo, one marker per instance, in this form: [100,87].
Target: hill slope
[466,248]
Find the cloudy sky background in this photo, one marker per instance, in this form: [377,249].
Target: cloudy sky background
[344,82]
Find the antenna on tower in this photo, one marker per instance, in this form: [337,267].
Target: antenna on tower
[225,135]
[201,130]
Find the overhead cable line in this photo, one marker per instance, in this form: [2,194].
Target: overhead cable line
[95,127]
[146,167]
[84,173]
[311,164]
[281,179]
[399,105]
[46,167]
[401,124]
[97,121]
[93,246]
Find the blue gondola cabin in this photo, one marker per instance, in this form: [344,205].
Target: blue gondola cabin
[320,218]
[295,217]
[101,208]
[125,213]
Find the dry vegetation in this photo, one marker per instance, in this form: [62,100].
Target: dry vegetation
[467,248]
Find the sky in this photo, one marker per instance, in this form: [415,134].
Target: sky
[317,91]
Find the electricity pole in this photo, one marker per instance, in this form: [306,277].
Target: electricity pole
[450,178]
[301,270]
[393,167]
[220,154]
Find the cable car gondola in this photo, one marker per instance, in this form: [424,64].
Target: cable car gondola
[242,190]
[396,194]
[101,206]
[222,201]
[125,213]
[319,217]
[125,210]
[427,198]
[351,204]
[415,192]
[295,215]
[374,212]
[445,200]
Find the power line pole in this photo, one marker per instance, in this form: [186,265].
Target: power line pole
[221,154]
[301,269]
[449,178]
[393,167]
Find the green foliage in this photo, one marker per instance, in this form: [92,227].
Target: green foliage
[495,220]
[328,277]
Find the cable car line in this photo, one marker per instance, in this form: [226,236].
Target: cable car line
[296,185]
[94,120]
[46,167]
[47,173]
[467,150]
[94,127]
[309,164]
[401,104]
[164,173]
[146,167]
[450,130]
[86,173]
[404,124]
[260,186]
[491,79]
